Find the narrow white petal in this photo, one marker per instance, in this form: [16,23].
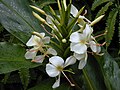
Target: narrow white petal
[42,34]
[31,41]
[79,56]
[46,39]
[74,37]
[78,48]
[30,54]
[69,61]
[39,59]
[74,10]
[52,70]
[98,49]
[93,46]
[52,51]
[87,31]
[83,62]
[57,83]
[56,61]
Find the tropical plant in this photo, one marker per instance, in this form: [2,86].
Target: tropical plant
[38,32]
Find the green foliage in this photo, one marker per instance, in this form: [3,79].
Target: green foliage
[47,85]
[92,75]
[17,18]
[97,3]
[24,76]
[12,58]
[111,20]
[104,9]
[42,3]
[110,71]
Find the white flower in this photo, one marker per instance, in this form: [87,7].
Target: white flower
[74,12]
[82,58]
[38,43]
[56,66]
[79,41]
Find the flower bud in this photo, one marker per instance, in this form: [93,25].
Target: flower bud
[96,20]
[39,18]
[38,9]
[64,40]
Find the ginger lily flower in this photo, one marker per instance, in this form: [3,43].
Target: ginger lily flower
[56,66]
[79,41]
[38,43]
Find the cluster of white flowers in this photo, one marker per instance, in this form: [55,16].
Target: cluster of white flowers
[79,42]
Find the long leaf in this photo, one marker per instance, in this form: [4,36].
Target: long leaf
[16,17]
[110,71]
[12,58]
[110,26]
[93,76]
[104,9]
[96,3]
[24,76]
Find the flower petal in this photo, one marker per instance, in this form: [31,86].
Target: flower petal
[52,70]
[42,34]
[78,48]
[87,31]
[93,46]
[31,41]
[74,37]
[83,62]
[39,59]
[57,83]
[74,10]
[30,54]
[46,40]
[79,56]
[56,61]
[52,51]
[69,61]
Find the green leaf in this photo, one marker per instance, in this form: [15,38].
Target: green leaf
[110,71]
[111,20]
[47,85]
[16,17]
[96,3]
[43,3]
[12,58]
[24,76]
[104,9]
[93,76]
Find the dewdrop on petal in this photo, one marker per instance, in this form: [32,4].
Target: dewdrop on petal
[96,20]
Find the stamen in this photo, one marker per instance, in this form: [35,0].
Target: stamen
[46,30]
[100,35]
[101,44]
[68,79]
[85,12]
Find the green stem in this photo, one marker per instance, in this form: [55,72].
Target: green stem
[87,78]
